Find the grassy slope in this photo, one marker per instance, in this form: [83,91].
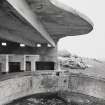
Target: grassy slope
[97,68]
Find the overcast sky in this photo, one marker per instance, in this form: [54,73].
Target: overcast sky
[92,44]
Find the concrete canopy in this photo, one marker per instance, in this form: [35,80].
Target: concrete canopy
[60,20]
[40,21]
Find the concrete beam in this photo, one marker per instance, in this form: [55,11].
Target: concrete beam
[24,10]
[15,38]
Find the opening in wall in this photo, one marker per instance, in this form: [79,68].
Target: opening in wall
[14,67]
[44,65]
[28,66]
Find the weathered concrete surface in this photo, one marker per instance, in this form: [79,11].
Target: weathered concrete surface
[20,86]
[24,10]
[16,30]
[17,54]
[59,22]
[87,85]
[22,59]
[49,21]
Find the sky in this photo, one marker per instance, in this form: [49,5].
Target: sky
[91,45]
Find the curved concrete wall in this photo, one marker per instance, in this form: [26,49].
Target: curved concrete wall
[19,86]
[87,85]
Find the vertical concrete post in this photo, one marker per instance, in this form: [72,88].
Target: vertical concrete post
[6,63]
[32,65]
[35,65]
[24,63]
[20,58]
[35,59]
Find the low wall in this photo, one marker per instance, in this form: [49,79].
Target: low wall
[15,86]
[87,85]
[22,85]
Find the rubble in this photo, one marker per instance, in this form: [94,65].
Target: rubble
[71,61]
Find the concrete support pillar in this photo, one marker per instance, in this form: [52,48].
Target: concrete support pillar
[32,66]
[7,64]
[35,65]
[24,63]
[4,60]
[21,59]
